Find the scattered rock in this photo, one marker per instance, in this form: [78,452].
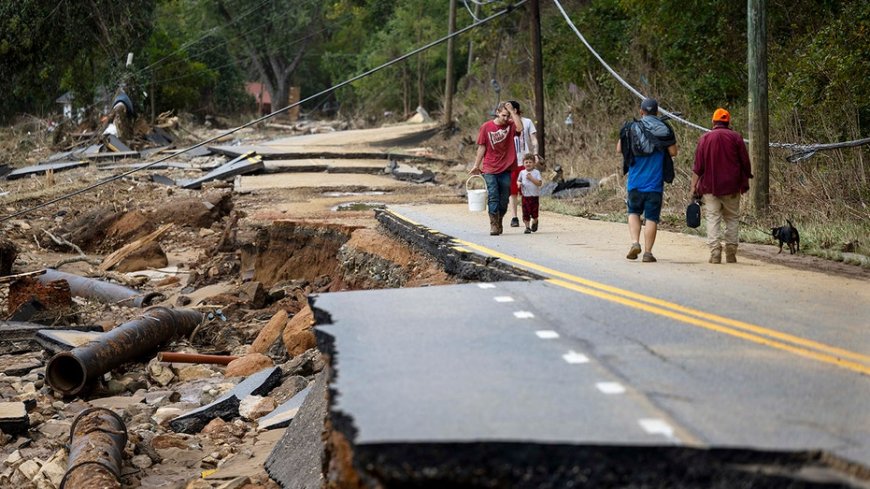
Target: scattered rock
[193,372]
[160,372]
[247,365]
[270,332]
[173,440]
[141,461]
[298,336]
[255,407]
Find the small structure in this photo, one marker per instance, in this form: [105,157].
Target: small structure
[261,96]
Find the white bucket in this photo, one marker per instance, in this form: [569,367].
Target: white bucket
[476,197]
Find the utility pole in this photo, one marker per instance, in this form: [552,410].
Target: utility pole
[538,70]
[448,91]
[471,50]
[759,136]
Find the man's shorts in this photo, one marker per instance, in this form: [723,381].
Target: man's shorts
[515,173]
[647,203]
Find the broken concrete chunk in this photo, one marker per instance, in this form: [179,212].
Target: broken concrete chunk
[255,407]
[58,340]
[253,293]
[13,418]
[18,365]
[227,406]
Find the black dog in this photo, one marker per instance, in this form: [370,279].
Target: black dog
[787,235]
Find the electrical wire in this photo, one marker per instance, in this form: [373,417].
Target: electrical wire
[801,151]
[405,56]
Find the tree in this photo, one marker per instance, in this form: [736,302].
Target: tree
[47,47]
[272,37]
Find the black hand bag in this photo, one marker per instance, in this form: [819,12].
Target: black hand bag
[693,214]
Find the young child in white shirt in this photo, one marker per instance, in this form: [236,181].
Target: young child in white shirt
[529,181]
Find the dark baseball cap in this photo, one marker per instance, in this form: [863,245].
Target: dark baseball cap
[650,106]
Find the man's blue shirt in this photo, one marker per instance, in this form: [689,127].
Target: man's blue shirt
[645,175]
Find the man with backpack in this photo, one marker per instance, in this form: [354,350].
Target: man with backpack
[647,146]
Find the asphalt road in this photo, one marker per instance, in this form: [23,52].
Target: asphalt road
[607,350]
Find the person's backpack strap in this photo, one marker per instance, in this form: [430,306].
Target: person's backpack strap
[625,145]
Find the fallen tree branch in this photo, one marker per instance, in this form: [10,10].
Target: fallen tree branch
[118,277]
[12,278]
[63,242]
[74,259]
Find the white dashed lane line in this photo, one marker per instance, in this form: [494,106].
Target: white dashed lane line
[547,334]
[523,315]
[504,298]
[610,387]
[574,357]
[486,286]
[657,427]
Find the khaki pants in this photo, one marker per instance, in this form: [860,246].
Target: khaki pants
[723,208]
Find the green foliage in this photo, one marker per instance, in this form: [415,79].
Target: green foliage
[187,65]
[412,24]
[43,43]
[828,72]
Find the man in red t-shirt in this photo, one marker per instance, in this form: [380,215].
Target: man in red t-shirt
[495,159]
[721,173]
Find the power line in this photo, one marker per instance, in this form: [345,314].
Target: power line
[204,35]
[801,151]
[405,56]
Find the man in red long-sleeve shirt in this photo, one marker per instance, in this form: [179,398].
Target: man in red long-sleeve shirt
[721,173]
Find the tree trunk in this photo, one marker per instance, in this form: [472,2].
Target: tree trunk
[280,94]
[406,90]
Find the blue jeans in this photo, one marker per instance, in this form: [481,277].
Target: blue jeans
[498,191]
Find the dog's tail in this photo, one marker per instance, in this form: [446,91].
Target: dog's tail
[789,223]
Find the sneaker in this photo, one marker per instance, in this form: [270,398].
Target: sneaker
[648,257]
[534,225]
[633,252]
[515,222]
[527,231]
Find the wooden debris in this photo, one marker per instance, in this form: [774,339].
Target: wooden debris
[116,257]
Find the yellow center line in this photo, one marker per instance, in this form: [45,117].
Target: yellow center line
[670,305]
[821,357]
[757,334]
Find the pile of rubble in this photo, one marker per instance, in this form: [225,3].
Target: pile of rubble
[184,319]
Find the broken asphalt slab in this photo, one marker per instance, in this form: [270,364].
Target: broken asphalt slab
[60,340]
[18,337]
[242,165]
[437,391]
[42,169]
[13,418]
[227,406]
[297,460]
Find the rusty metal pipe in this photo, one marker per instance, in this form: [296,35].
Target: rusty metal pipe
[102,291]
[96,439]
[68,372]
[180,357]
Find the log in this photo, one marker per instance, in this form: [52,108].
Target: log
[128,249]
